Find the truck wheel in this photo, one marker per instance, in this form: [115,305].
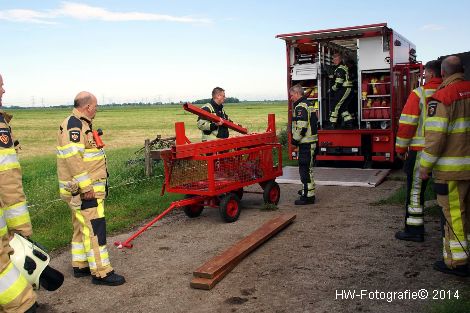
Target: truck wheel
[272,192]
[229,208]
[193,210]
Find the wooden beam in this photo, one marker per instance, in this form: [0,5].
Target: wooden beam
[209,274]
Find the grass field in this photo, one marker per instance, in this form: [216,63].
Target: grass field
[130,126]
[132,198]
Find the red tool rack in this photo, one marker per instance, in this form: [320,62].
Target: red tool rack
[214,173]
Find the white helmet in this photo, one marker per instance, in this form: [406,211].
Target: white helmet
[33,263]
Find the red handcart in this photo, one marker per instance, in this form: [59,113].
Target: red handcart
[214,173]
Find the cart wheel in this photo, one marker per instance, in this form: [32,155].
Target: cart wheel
[229,208]
[193,210]
[239,193]
[272,192]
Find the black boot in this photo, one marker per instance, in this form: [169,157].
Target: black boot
[112,279]
[81,272]
[404,235]
[305,200]
[461,270]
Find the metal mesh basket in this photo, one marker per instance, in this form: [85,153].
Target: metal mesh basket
[215,172]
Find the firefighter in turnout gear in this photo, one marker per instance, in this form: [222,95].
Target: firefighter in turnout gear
[447,155]
[409,144]
[211,130]
[16,294]
[82,172]
[304,136]
[342,94]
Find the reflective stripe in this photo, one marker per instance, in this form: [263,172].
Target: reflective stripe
[3,224]
[415,221]
[99,186]
[427,160]
[437,124]
[8,159]
[417,142]
[16,214]
[418,210]
[402,142]
[12,284]
[69,150]
[455,244]
[62,189]
[78,252]
[450,164]
[460,125]
[83,179]
[458,256]
[409,119]
[93,155]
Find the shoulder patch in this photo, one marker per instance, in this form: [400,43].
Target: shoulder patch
[74,123]
[5,138]
[74,135]
[432,108]
[2,119]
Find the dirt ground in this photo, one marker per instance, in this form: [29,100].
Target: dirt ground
[341,243]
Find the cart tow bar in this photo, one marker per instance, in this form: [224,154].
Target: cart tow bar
[175,204]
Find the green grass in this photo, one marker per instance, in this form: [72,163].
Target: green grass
[453,305]
[132,198]
[130,126]
[399,196]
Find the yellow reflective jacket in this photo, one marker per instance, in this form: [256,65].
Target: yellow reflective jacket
[447,131]
[14,215]
[78,158]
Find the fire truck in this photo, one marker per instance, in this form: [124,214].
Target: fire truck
[382,65]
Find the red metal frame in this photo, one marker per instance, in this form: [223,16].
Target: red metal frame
[214,118]
[238,151]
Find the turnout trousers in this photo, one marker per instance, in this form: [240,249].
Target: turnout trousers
[340,105]
[415,188]
[16,294]
[454,198]
[89,237]
[306,160]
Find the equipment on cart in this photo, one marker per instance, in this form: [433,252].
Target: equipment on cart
[33,263]
[214,173]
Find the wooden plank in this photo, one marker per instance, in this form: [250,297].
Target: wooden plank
[237,252]
[209,283]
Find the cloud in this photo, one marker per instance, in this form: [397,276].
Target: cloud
[26,16]
[432,27]
[81,11]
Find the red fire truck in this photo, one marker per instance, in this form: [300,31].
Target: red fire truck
[383,67]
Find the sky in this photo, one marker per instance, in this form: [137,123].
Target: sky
[179,50]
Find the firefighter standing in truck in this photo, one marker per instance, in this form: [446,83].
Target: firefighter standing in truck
[304,136]
[447,155]
[409,144]
[211,130]
[82,172]
[16,294]
[342,94]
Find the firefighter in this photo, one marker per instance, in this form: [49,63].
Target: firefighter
[16,294]
[342,94]
[81,163]
[304,136]
[409,143]
[211,130]
[447,155]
